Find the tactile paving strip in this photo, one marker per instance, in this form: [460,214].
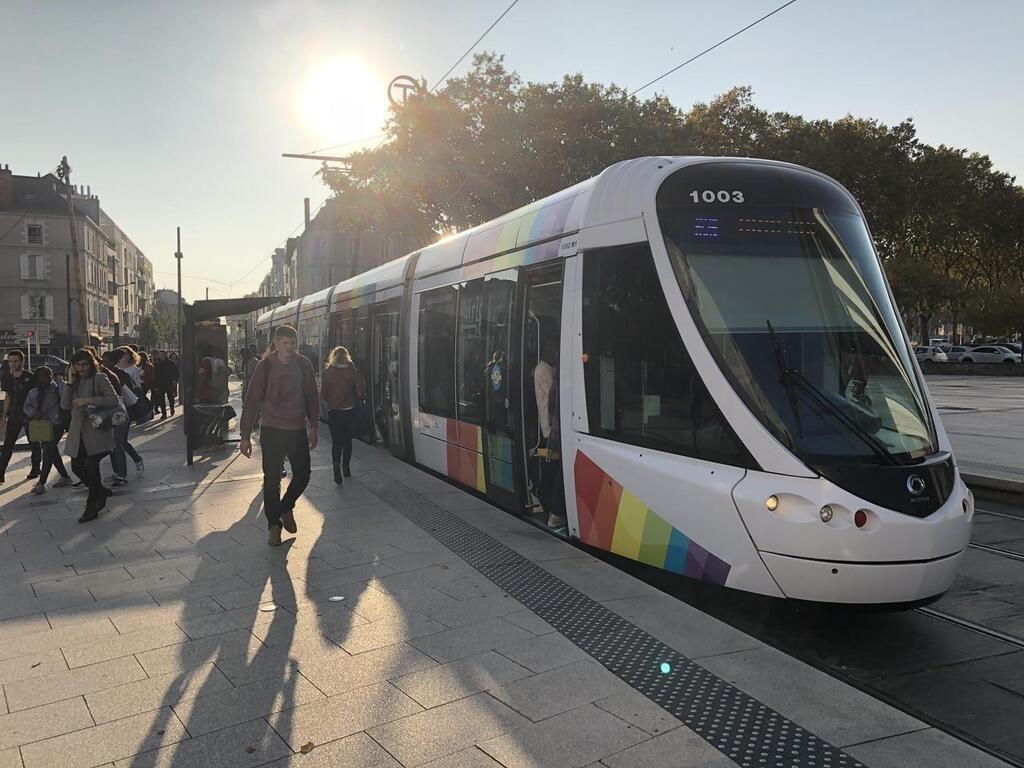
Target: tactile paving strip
[741,727]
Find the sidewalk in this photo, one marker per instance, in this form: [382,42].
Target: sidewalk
[167,633]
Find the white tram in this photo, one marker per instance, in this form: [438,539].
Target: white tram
[695,363]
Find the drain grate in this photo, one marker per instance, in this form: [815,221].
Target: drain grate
[741,727]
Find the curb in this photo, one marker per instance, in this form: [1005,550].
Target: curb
[995,488]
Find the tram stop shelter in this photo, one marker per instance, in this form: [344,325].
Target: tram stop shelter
[204,335]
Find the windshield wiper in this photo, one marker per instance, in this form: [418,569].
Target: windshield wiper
[780,360]
[822,399]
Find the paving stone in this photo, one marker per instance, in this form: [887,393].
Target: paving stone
[12,628]
[598,580]
[358,751]
[573,739]
[636,709]
[229,748]
[339,675]
[10,758]
[377,634]
[194,653]
[72,581]
[683,627]
[341,578]
[679,748]
[73,682]
[124,606]
[44,637]
[928,748]
[92,651]
[43,722]
[559,690]
[474,610]
[341,716]
[40,664]
[213,711]
[208,586]
[823,705]
[16,604]
[440,685]
[471,757]
[155,692]
[447,729]
[468,641]
[539,654]
[105,743]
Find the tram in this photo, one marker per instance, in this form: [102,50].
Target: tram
[695,363]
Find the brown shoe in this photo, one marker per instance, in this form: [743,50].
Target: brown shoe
[288,521]
[274,536]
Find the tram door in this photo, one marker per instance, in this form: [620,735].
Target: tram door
[385,394]
[497,387]
[541,339]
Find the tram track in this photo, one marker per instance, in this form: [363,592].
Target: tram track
[973,626]
[997,551]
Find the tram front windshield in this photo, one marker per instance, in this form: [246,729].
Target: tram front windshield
[793,304]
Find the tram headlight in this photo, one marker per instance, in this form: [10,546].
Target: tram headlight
[825,514]
[772,502]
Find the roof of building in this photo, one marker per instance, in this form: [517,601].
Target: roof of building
[36,195]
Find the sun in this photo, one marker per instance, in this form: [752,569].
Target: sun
[343,100]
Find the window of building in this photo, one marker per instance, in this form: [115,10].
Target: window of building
[436,351]
[34,234]
[642,387]
[36,307]
[32,267]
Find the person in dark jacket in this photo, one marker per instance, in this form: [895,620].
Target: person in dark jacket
[43,402]
[16,383]
[164,375]
[283,392]
[343,391]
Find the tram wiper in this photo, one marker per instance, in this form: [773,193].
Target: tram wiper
[780,360]
[821,398]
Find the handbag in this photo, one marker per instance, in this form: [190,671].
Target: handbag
[106,417]
[142,410]
[40,431]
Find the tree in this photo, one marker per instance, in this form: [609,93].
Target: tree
[157,328]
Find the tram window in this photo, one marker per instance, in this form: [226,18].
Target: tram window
[642,387]
[501,296]
[310,339]
[436,351]
[471,358]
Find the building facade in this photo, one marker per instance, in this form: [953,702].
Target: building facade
[37,279]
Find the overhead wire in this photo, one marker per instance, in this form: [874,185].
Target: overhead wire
[474,45]
[692,59]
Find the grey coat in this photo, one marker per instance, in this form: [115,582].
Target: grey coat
[96,440]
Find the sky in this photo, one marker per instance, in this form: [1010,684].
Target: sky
[176,114]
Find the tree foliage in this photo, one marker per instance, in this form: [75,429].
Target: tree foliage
[157,329]
[948,226]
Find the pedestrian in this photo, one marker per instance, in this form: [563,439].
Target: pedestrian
[43,405]
[87,443]
[343,392]
[163,383]
[16,382]
[121,360]
[176,369]
[283,392]
[148,373]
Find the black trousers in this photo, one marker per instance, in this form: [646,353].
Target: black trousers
[11,434]
[341,424]
[275,444]
[88,469]
[51,457]
[162,397]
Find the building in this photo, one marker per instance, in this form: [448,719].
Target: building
[37,280]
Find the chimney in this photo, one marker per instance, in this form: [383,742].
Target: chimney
[305,206]
[6,187]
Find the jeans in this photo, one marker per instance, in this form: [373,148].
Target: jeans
[11,435]
[51,457]
[88,469]
[341,424]
[121,447]
[275,444]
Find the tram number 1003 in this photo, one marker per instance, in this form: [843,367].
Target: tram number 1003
[721,196]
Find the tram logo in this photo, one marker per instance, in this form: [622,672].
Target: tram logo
[916,485]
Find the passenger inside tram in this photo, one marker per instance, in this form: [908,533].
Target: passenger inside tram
[549,484]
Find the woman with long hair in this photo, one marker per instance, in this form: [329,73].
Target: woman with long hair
[87,444]
[119,361]
[43,403]
[342,391]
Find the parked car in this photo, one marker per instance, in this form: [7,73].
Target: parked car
[930,354]
[955,354]
[58,366]
[1013,346]
[990,354]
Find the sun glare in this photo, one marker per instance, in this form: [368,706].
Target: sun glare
[343,100]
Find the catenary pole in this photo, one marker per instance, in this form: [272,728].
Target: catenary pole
[64,174]
[177,256]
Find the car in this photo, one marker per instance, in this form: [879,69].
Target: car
[956,353]
[54,363]
[930,354]
[1013,346]
[990,354]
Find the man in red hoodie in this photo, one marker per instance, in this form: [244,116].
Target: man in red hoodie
[283,392]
